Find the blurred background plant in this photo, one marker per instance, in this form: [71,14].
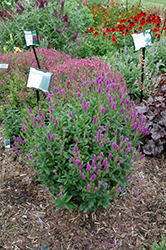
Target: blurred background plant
[57,23]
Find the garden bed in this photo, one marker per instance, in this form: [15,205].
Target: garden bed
[28,218]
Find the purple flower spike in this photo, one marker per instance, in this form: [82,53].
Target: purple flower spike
[106,128]
[67,25]
[75,148]
[56,13]
[75,36]
[119,190]
[62,3]
[81,165]
[102,110]
[95,119]
[58,31]
[48,136]
[47,190]
[41,5]
[71,159]
[105,184]
[89,186]
[88,166]
[65,18]
[56,122]
[36,148]
[96,188]
[70,114]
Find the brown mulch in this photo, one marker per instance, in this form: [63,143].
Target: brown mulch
[28,218]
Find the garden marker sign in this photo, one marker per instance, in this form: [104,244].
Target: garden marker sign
[4,66]
[39,79]
[7,143]
[31,39]
[142,40]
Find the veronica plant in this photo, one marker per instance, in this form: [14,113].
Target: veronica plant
[83,145]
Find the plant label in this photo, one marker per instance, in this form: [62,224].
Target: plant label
[31,37]
[7,143]
[142,39]
[4,66]
[39,79]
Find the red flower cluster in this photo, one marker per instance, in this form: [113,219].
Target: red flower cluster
[126,26]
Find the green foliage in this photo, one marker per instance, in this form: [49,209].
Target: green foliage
[12,118]
[50,25]
[8,2]
[83,144]
[158,246]
[161,246]
[128,63]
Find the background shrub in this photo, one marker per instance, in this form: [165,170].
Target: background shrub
[55,23]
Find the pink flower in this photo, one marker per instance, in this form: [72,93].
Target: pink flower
[119,190]
[54,171]
[102,110]
[105,184]
[56,122]
[75,148]
[89,186]
[106,128]
[88,166]
[60,194]
[71,159]
[48,136]
[96,188]
[81,165]
[93,177]
[142,156]
[70,114]
[94,119]
[47,190]
[101,143]
[110,156]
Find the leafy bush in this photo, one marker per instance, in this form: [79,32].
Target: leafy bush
[154,110]
[83,145]
[57,23]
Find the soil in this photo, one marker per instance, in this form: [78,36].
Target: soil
[28,219]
